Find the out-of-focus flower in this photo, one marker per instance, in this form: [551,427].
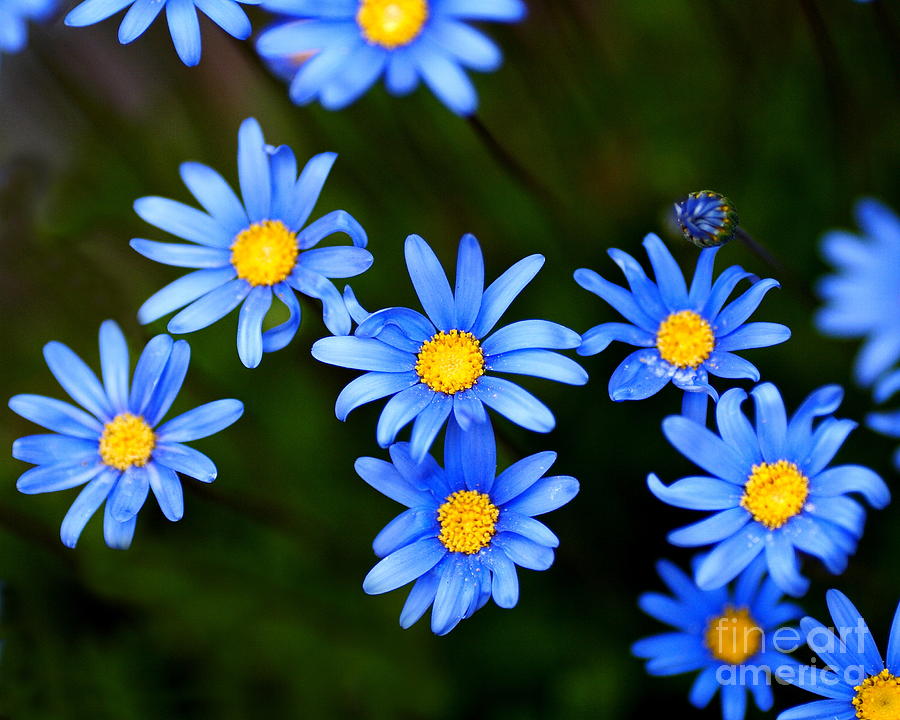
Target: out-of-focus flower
[887,422]
[465,530]
[357,41]
[247,252]
[117,449]
[14,18]
[446,362]
[771,487]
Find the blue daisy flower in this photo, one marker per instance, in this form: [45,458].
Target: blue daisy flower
[184,25]
[887,423]
[247,252]
[445,363]
[685,334]
[731,636]
[466,529]
[14,18]
[771,487]
[117,449]
[863,299]
[858,683]
[356,41]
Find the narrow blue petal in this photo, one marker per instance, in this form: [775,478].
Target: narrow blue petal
[784,565]
[180,255]
[410,323]
[78,380]
[697,493]
[57,416]
[283,169]
[703,274]
[408,527]
[372,386]
[531,334]
[878,353]
[386,479]
[826,441]
[505,580]
[705,686]
[668,275]
[404,566]
[426,475]
[501,293]
[852,478]
[812,536]
[469,282]
[185,460]
[213,306]
[428,424]
[734,702]
[527,527]
[472,454]
[754,335]
[93,11]
[138,18]
[496,10]
[728,558]
[511,401]
[667,610]
[539,363]
[281,335]
[85,505]
[227,15]
[721,289]
[430,283]
[200,422]
[771,422]
[854,631]
[420,598]
[337,221]
[598,338]
[832,651]
[520,476]
[166,390]
[306,193]
[253,170]
[334,312]
[892,658]
[315,74]
[182,221]
[713,529]
[468,45]
[337,262]
[447,611]
[545,495]
[129,494]
[823,401]
[468,409]
[167,489]
[118,535]
[250,321]
[50,449]
[735,428]
[216,196]
[639,376]
[821,710]
[114,365]
[733,367]
[400,411]
[61,475]
[149,371]
[524,552]
[446,79]
[640,285]
[182,291]
[843,511]
[694,406]
[736,313]
[622,301]
[705,449]
[363,67]
[401,75]
[359,353]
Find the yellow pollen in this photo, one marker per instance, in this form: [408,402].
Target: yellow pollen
[775,492]
[733,637]
[468,519]
[878,698]
[684,339]
[450,362]
[391,23]
[264,253]
[127,441]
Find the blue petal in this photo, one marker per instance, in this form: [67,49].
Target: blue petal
[598,338]
[166,390]
[216,196]
[253,170]
[511,401]
[721,289]
[734,702]
[505,580]
[167,489]
[697,493]
[337,262]
[114,365]
[400,410]
[149,370]
[712,529]
[118,535]
[727,365]
[496,10]
[420,597]
[85,505]
[545,495]
[824,683]
[182,221]
[784,565]
[138,18]
[449,605]
[185,460]
[283,170]
[78,380]
[843,511]
[337,221]
[228,15]
[852,478]
[180,255]
[52,448]
[667,273]
[430,282]
[728,558]
[468,409]
[469,46]
[520,476]
[531,334]
[823,401]
[386,479]
[501,293]
[409,526]
[820,710]
[372,386]
[832,651]
[705,449]
[315,73]
[705,686]
[363,67]
[211,307]
[250,321]
[404,566]
[736,313]
[771,422]
[182,291]
[334,312]
[667,610]
[878,353]
[129,494]
[693,406]
[306,194]
[426,475]
[61,475]
[472,454]
[812,536]
[57,416]
[360,353]
[826,441]
[446,79]
[281,335]
[539,363]
[854,631]
[93,11]
[703,273]
[524,552]
[469,282]
[527,527]
[201,422]
[641,286]
[754,335]
[639,376]
[893,650]
[622,301]
[428,424]
[735,428]
[401,76]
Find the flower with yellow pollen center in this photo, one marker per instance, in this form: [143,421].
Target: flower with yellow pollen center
[264,253]
[734,637]
[878,697]
[127,441]
[450,362]
[468,521]
[391,23]
[685,339]
[775,492]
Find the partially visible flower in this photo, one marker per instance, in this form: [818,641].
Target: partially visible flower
[117,449]
[14,18]
[730,635]
[466,529]
[863,299]
[707,219]
[446,362]
[184,25]
[857,683]
[247,252]
[771,487]
[355,42]
[888,422]
[686,334]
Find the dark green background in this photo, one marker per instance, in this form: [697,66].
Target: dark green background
[252,605]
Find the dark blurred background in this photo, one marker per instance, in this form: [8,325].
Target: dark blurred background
[252,605]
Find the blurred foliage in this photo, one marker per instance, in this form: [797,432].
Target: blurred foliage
[252,605]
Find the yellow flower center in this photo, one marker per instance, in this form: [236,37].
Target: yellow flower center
[878,698]
[127,441]
[450,362]
[775,492]
[685,339]
[734,636]
[264,253]
[468,519]
[391,23]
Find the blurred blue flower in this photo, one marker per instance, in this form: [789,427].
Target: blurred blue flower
[770,487]
[115,449]
[436,365]
[730,635]
[249,252]
[184,25]
[465,530]
[347,45]
[686,334]
[706,218]
[887,423]
[858,683]
[863,299]
[14,18]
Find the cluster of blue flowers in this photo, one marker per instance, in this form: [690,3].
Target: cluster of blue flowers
[770,485]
